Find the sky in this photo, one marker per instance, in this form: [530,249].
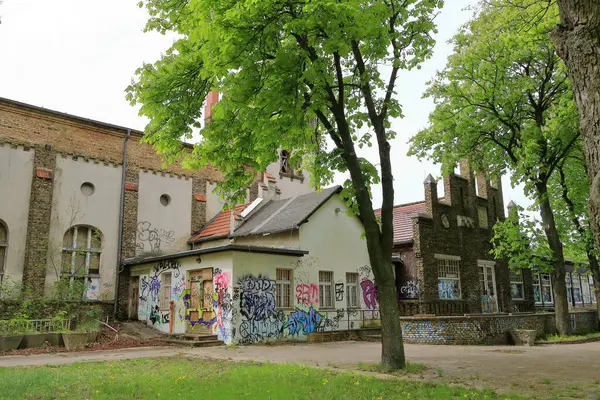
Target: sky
[78,56]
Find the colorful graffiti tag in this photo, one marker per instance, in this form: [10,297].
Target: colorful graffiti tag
[307,294]
[303,321]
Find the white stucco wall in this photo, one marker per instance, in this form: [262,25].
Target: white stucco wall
[100,210]
[163,229]
[16,172]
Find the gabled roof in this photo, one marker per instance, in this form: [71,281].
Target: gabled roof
[402,220]
[219,226]
[273,217]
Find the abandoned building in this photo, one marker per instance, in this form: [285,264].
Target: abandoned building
[78,196]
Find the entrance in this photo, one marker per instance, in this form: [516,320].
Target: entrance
[200,315]
[134,298]
[487,285]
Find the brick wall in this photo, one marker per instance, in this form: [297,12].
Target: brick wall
[487,329]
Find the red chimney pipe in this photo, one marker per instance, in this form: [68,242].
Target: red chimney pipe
[211,99]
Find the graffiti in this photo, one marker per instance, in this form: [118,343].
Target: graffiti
[448,289]
[409,290]
[144,286]
[260,320]
[200,320]
[369,291]
[368,286]
[152,240]
[178,289]
[339,292]
[165,265]
[307,294]
[223,303]
[303,321]
[155,316]
[154,287]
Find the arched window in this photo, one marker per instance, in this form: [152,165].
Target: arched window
[82,247]
[3,248]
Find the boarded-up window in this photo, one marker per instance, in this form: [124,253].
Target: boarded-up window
[449,278]
[483,217]
[165,289]
[326,289]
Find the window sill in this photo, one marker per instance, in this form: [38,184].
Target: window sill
[327,309]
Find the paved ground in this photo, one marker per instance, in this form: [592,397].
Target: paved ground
[550,370]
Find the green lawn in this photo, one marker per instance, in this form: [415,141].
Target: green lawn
[188,378]
[569,338]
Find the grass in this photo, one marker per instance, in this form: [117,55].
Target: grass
[568,338]
[411,368]
[177,378]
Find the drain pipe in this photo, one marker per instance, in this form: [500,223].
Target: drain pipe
[121,217]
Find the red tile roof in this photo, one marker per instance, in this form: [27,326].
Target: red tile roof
[219,225]
[402,219]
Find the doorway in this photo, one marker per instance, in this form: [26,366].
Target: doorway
[487,286]
[134,297]
[200,315]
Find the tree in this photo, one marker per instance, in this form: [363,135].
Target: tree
[577,38]
[504,101]
[281,64]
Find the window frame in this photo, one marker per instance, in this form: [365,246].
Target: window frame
[448,260]
[540,284]
[352,287]
[164,299]
[4,250]
[326,287]
[73,274]
[279,284]
[512,281]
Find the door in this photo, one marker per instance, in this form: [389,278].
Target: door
[487,285]
[200,315]
[134,299]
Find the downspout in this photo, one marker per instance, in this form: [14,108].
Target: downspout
[121,217]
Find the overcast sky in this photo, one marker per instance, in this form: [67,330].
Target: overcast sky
[78,56]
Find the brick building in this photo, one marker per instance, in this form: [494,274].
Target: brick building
[441,251]
[78,196]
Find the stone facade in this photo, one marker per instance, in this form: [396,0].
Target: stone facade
[454,231]
[487,329]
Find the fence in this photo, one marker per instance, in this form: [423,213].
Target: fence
[436,307]
[35,325]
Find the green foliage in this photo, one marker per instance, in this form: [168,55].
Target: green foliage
[503,101]
[280,65]
[521,240]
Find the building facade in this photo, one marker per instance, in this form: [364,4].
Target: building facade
[442,251]
[80,195]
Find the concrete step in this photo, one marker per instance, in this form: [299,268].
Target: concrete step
[195,343]
[195,336]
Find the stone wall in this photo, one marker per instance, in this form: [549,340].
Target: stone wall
[487,329]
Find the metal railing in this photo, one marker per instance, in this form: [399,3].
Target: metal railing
[35,325]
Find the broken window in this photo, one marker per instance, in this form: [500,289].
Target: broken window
[82,246]
[326,289]
[283,289]
[285,163]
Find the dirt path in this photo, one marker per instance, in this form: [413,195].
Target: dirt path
[560,370]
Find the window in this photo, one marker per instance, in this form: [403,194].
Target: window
[326,289]
[448,277]
[516,285]
[165,288]
[284,166]
[482,213]
[283,288]
[573,288]
[351,289]
[542,288]
[3,248]
[80,258]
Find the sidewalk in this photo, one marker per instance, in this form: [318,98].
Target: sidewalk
[70,358]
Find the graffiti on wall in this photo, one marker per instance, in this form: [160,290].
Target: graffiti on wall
[178,289]
[223,304]
[305,321]
[339,291]
[368,287]
[409,290]
[144,288]
[167,265]
[259,318]
[157,317]
[154,287]
[152,240]
[307,293]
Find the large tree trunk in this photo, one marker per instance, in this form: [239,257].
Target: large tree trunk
[577,41]
[559,285]
[379,244]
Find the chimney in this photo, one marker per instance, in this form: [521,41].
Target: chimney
[431,196]
[212,98]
